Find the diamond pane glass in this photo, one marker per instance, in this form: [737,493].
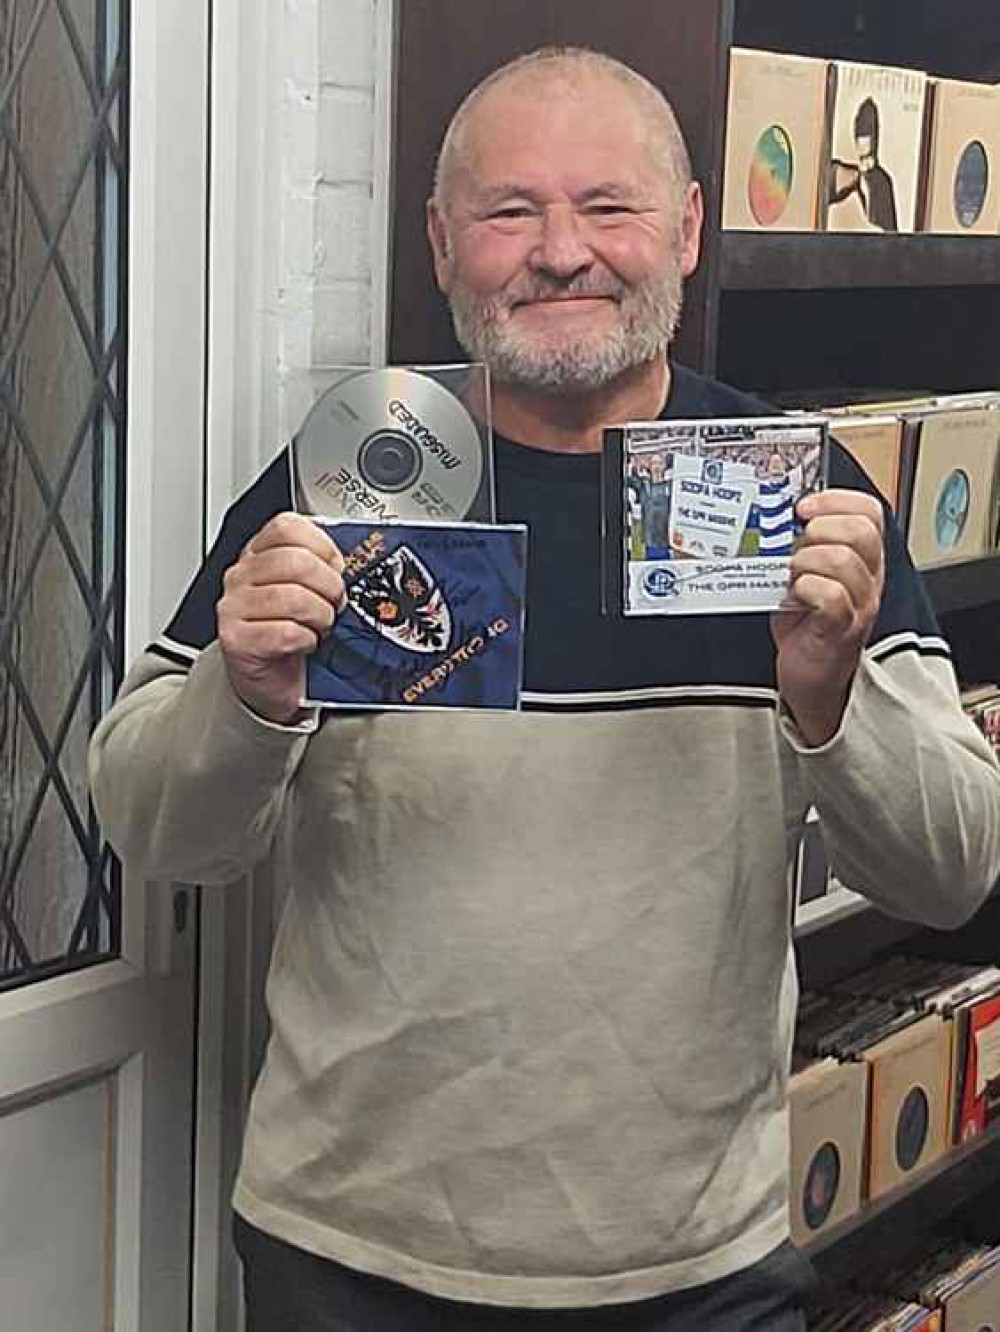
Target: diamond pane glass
[63,95]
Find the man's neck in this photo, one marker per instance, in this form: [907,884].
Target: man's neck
[573,423]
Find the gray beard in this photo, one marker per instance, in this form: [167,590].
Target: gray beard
[648,319]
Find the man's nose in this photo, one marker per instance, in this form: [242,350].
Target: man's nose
[562,249]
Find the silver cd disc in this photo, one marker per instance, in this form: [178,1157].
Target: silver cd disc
[389,444]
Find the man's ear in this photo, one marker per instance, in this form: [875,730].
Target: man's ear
[437,236]
[691,228]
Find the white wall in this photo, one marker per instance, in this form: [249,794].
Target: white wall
[301,109]
[335,175]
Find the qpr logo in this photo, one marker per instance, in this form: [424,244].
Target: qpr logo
[660,583]
[711,471]
[400,599]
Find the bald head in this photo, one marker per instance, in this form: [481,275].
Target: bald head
[566,72]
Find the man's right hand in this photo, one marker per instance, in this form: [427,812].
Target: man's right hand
[280,598]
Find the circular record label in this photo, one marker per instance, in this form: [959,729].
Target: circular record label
[821,1186]
[972,183]
[951,513]
[772,170]
[912,1128]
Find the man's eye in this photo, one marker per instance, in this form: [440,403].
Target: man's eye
[609,210]
[512,212]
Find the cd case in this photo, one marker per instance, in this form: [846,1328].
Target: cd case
[700,516]
[434,618]
[397,444]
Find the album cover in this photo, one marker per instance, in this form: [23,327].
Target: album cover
[952,507]
[977,1066]
[963,159]
[774,141]
[828,1106]
[434,618]
[876,442]
[908,1099]
[700,516]
[876,122]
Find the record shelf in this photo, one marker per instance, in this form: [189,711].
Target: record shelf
[890,1223]
[770,313]
[815,261]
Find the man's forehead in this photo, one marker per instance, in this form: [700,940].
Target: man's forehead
[529,91]
[523,125]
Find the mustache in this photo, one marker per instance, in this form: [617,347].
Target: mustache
[585,285]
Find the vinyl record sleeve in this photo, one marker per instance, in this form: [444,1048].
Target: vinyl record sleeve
[909,1091]
[975,1307]
[700,515]
[828,1104]
[963,159]
[951,512]
[977,1067]
[774,141]
[875,141]
[876,442]
[434,618]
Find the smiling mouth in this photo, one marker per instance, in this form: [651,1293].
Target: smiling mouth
[554,302]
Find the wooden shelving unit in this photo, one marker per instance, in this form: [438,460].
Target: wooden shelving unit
[974,584]
[888,1223]
[762,261]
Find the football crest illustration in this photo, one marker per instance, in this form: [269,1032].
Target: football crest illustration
[434,617]
[400,599]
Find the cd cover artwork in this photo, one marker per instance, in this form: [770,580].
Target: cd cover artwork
[434,618]
[700,516]
[398,444]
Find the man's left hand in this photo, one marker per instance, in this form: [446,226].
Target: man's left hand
[837,577]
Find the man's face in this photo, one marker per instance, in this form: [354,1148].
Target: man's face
[866,153]
[561,251]
[656,467]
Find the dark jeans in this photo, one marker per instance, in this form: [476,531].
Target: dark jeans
[289,1290]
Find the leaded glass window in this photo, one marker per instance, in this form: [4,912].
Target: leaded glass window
[63,104]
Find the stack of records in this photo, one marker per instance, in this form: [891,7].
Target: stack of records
[850,1312]
[982,704]
[844,1025]
[959,1277]
[918,983]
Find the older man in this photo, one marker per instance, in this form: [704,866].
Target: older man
[533,992]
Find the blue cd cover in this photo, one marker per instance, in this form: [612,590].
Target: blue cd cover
[434,617]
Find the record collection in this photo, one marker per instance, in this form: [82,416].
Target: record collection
[840,145]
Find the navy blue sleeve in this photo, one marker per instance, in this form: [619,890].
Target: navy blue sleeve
[193,626]
[906,620]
